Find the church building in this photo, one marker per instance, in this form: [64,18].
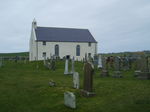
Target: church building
[60,42]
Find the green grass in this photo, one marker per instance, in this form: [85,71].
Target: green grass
[23,88]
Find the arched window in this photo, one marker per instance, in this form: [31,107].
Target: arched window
[78,50]
[56,50]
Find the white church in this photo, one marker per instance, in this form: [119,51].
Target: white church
[49,41]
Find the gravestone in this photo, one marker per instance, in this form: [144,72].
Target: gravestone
[117,72]
[149,63]
[99,61]
[53,64]
[95,59]
[52,83]
[44,61]
[47,63]
[86,58]
[16,59]
[70,100]
[125,63]
[88,80]
[137,67]
[104,72]
[145,72]
[72,67]
[136,73]
[37,66]
[76,80]
[1,62]
[66,72]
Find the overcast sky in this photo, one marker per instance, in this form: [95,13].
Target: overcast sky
[117,25]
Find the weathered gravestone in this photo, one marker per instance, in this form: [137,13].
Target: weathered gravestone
[53,64]
[70,100]
[72,67]
[52,83]
[104,72]
[125,63]
[145,72]
[66,72]
[95,59]
[88,80]
[99,61]
[50,63]
[137,67]
[37,65]
[47,63]
[44,61]
[16,59]
[117,72]
[76,80]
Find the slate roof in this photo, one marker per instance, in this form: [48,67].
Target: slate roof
[53,34]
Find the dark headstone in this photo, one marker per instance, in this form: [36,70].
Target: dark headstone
[104,72]
[136,73]
[117,72]
[95,59]
[145,73]
[88,80]
[53,64]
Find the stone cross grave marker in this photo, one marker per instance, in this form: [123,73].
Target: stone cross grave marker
[76,80]
[70,100]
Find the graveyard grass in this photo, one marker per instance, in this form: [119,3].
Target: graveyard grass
[23,88]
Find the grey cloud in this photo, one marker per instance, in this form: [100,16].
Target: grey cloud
[118,25]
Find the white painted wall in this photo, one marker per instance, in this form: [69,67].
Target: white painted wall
[65,48]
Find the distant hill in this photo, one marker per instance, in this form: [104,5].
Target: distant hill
[147,53]
[15,54]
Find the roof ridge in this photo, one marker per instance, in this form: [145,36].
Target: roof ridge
[63,28]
